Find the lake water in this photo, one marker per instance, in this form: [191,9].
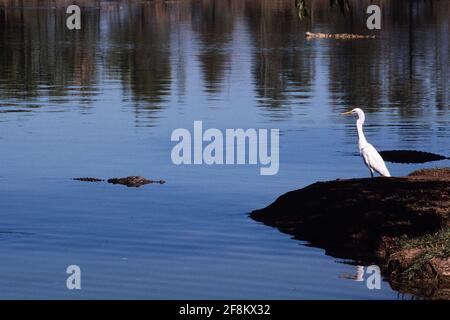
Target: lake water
[103,102]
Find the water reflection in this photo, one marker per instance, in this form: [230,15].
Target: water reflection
[138,53]
[142,46]
[284,66]
[357,276]
[214,21]
[41,59]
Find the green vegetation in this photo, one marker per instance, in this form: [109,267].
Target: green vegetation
[435,245]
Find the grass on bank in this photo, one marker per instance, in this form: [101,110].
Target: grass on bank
[436,245]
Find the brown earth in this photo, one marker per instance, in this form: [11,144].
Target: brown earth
[380,220]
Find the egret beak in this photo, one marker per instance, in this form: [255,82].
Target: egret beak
[348,113]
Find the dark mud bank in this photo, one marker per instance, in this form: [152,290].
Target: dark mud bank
[399,223]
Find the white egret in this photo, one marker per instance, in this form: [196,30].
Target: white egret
[370,155]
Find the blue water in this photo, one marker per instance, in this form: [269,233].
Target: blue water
[191,238]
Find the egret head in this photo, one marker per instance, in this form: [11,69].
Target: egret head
[358,112]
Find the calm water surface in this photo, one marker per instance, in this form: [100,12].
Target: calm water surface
[103,101]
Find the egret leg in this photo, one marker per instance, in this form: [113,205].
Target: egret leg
[371,173]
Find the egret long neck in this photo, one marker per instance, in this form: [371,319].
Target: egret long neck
[362,142]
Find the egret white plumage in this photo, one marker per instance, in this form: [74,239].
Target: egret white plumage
[370,155]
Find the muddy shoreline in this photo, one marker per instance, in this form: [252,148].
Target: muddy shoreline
[399,223]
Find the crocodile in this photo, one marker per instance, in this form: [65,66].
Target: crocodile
[319,35]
